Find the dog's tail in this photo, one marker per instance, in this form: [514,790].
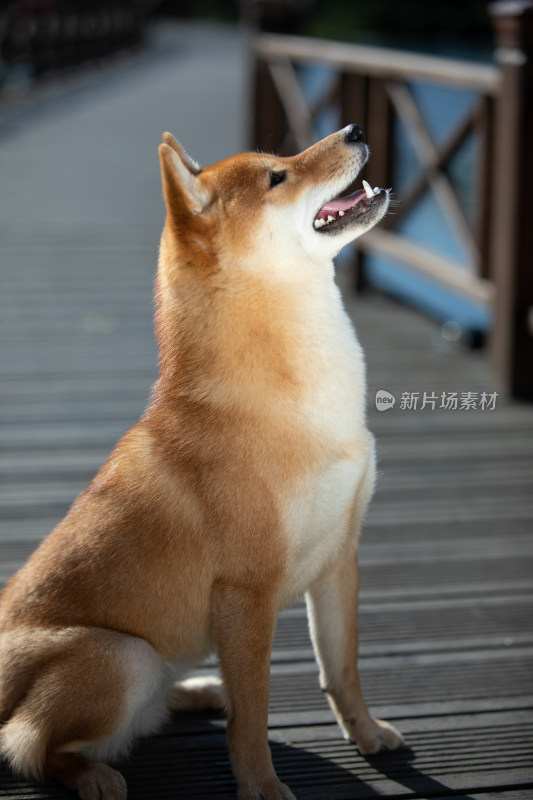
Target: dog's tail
[23,742]
[24,747]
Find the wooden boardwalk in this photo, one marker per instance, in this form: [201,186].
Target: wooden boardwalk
[447,556]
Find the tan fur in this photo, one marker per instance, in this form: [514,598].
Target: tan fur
[242,487]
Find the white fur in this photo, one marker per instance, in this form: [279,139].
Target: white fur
[316,522]
[149,680]
[23,746]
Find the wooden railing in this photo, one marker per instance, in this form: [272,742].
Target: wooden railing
[371,87]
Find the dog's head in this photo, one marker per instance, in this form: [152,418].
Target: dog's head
[256,207]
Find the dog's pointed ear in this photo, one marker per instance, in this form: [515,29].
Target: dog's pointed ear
[172,142]
[181,183]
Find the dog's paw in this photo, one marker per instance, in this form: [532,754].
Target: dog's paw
[197,694]
[269,790]
[374,735]
[102,783]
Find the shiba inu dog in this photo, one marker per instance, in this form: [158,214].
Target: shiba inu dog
[241,488]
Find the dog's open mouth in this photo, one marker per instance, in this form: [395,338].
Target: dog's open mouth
[340,211]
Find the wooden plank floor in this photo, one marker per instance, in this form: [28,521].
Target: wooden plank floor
[447,555]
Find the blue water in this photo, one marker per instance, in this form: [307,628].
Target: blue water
[442,109]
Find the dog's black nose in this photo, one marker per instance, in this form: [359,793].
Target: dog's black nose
[354,133]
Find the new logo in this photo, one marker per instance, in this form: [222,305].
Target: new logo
[384,400]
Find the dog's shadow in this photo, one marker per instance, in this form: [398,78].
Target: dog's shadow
[189,759]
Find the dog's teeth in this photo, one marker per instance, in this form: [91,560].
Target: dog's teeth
[330,218]
[341,213]
[317,224]
[368,190]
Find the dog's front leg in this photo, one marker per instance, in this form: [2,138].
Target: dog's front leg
[332,603]
[245,620]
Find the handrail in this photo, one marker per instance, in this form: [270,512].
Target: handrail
[381,62]
[442,269]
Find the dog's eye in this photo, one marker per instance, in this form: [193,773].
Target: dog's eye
[277,177]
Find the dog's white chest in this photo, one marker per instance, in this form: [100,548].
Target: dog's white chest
[319,507]
[317,521]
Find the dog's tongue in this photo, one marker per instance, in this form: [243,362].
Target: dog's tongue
[341,204]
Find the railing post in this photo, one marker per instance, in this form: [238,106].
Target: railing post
[484,189]
[380,134]
[267,124]
[365,100]
[512,214]
[354,108]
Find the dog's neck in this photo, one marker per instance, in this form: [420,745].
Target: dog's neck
[232,323]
